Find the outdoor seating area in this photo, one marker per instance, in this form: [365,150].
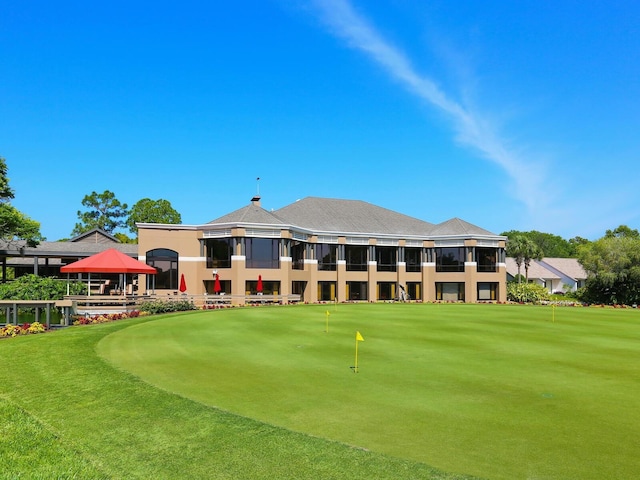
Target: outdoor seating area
[212,300]
[103,304]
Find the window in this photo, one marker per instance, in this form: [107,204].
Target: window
[297,255]
[298,287]
[386,259]
[412,259]
[219,252]
[262,253]
[356,290]
[450,292]
[386,290]
[268,287]
[486,259]
[326,255]
[225,286]
[487,291]
[165,261]
[450,259]
[356,257]
[326,291]
[414,290]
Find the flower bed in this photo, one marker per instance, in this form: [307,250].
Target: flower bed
[108,317]
[24,329]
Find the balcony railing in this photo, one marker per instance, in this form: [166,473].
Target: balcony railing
[356,267]
[487,267]
[450,268]
[387,267]
[327,266]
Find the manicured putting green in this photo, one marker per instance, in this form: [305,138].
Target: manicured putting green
[497,391]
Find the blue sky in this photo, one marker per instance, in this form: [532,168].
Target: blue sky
[510,115]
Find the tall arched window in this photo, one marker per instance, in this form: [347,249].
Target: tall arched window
[165,261]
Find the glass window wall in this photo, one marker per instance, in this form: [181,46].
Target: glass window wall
[165,261]
[356,258]
[262,253]
[450,259]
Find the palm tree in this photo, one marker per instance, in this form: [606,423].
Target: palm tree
[530,251]
[515,249]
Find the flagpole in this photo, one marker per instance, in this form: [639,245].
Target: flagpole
[355,368]
[359,338]
[327,325]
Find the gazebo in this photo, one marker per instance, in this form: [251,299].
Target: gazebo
[108,261]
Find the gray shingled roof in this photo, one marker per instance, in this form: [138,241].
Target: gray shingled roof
[350,216]
[457,226]
[68,248]
[536,270]
[250,214]
[569,266]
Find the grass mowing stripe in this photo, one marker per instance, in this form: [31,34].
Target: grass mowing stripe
[498,391]
[133,430]
[29,450]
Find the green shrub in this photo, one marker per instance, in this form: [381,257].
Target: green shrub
[166,306]
[33,287]
[526,292]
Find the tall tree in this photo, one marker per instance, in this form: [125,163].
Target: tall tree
[152,211]
[576,243]
[515,249]
[530,251]
[613,267]
[622,232]
[552,245]
[14,225]
[523,250]
[104,211]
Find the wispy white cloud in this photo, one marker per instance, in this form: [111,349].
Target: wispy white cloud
[471,128]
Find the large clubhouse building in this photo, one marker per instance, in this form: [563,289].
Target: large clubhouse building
[323,249]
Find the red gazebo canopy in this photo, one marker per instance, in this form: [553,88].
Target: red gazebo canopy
[109,261]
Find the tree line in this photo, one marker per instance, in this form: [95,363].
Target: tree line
[612,262]
[102,210]
[105,211]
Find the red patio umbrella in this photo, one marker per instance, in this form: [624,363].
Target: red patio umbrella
[108,261]
[183,284]
[259,287]
[216,285]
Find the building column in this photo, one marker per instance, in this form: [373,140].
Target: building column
[429,276]
[311,267]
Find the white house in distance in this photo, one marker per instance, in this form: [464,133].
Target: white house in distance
[554,274]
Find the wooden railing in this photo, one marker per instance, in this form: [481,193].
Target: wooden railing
[96,304]
[11,308]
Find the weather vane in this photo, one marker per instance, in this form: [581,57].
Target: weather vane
[258,186]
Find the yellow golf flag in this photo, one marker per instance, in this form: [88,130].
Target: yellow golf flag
[359,337]
[328,313]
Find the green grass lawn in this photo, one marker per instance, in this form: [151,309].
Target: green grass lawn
[495,391]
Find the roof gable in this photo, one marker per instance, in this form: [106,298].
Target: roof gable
[568,266]
[250,214]
[457,226]
[536,270]
[95,235]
